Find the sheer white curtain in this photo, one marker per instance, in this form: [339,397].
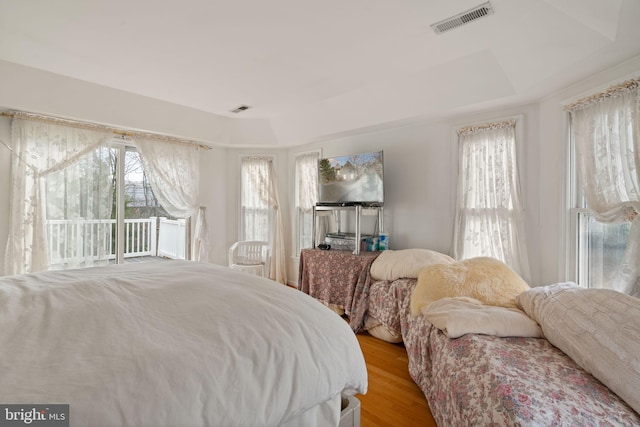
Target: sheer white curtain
[307,197]
[489,216]
[259,195]
[62,174]
[606,132]
[307,180]
[173,171]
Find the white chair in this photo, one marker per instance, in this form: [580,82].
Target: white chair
[250,256]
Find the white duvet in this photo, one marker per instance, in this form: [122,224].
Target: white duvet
[172,343]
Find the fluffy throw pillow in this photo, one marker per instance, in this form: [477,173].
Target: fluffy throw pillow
[459,316]
[486,279]
[598,328]
[405,263]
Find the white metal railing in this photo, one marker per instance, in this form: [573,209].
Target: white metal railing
[75,240]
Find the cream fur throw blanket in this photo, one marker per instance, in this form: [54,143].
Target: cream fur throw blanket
[598,328]
[486,279]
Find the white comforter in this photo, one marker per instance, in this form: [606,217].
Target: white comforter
[171,343]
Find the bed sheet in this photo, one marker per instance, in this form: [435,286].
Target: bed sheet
[172,343]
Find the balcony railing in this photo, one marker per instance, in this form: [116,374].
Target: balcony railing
[77,240]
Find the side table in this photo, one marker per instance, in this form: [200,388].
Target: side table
[338,279]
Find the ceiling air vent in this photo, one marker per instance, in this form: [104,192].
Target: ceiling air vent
[463,18]
[240,109]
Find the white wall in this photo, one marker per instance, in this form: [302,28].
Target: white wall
[420,170]
[29,89]
[213,187]
[420,176]
[420,162]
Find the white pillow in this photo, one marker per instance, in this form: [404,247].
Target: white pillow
[391,265]
[459,316]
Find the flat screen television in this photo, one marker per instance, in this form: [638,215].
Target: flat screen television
[351,180]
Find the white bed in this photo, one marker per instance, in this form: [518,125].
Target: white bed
[174,343]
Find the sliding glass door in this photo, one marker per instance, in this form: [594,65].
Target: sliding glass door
[78,210]
[101,209]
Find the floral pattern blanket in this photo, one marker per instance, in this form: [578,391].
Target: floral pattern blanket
[481,380]
[338,278]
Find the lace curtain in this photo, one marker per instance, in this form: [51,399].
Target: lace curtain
[606,132]
[489,215]
[259,195]
[307,181]
[173,172]
[62,192]
[307,193]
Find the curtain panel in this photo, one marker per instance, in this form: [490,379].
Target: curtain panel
[259,191]
[307,181]
[307,193]
[489,217]
[606,133]
[174,174]
[48,161]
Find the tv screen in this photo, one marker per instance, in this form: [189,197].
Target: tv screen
[352,179]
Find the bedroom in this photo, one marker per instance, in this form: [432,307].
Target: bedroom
[592,51]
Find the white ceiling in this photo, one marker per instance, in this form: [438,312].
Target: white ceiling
[326,66]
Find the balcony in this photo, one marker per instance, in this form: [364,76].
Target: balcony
[74,241]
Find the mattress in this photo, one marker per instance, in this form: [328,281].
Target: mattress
[174,343]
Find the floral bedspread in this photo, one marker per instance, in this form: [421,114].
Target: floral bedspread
[386,300]
[480,380]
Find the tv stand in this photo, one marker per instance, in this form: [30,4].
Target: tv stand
[353,206]
[350,204]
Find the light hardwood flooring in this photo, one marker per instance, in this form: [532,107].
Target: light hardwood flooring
[393,399]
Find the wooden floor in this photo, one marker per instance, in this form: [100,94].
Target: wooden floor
[393,399]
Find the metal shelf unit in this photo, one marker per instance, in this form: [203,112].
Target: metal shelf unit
[357,208]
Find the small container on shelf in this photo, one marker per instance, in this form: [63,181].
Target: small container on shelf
[371,244]
[383,241]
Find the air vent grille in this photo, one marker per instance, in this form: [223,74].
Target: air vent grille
[463,18]
[240,109]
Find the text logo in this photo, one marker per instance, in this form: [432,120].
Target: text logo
[34,415]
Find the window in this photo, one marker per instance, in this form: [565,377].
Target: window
[306,196]
[147,228]
[102,209]
[489,216]
[73,203]
[600,249]
[260,211]
[256,216]
[604,188]
[79,210]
